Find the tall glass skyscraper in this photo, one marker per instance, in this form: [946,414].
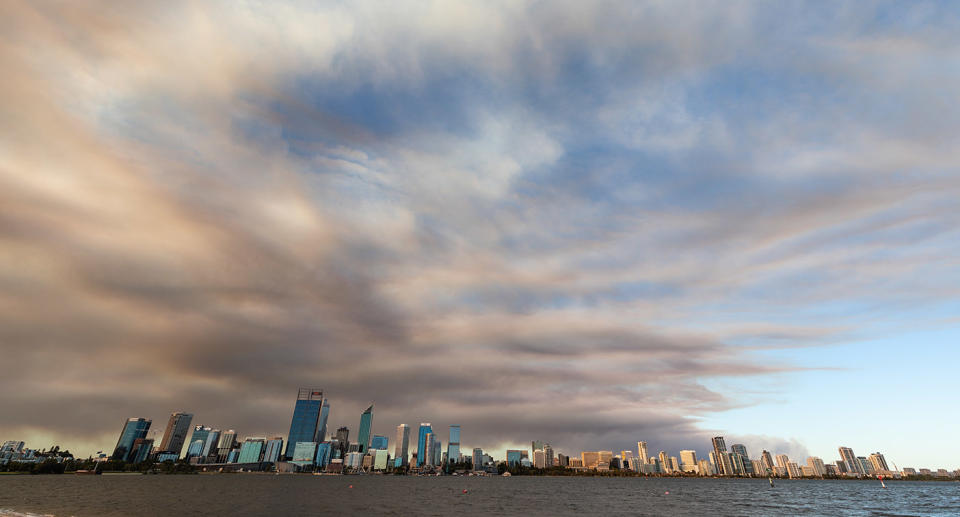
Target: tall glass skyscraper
[379,442]
[324,414]
[306,418]
[133,428]
[176,433]
[403,442]
[453,447]
[363,434]
[200,433]
[425,429]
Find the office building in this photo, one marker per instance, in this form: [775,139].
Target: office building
[343,442]
[304,453]
[400,450]
[141,450]
[425,429]
[514,456]
[539,459]
[273,449]
[453,446]
[324,453]
[379,442]
[590,459]
[200,434]
[380,458]
[306,418]
[642,451]
[477,459]
[176,433]
[322,426]
[228,440]
[782,460]
[548,454]
[363,434]
[133,429]
[251,451]
[210,444]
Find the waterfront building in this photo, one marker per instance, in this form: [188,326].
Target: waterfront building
[453,446]
[853,465]
[807,471]
[757,467]
[324,452]
[343,439]
[425,429]
[176,433]
[353,460]
[380,459]
[477,459]
[688,461]
[704,468]
[142,447]
[744,463]
[167,456]
[721,458]
[273,449]
[576,463]
[817,465]
[627,461]
[402,444]
[539,459]
[782,460]
[437,452]
[378,442]
[514,457]
[563,460]
[200,434]
[590,459]
[548,454]
[228,441]
[866,465]
[793,470]
[304,453]
[879,463]
[133,429]
[642,451]
[251,451]
[210,444]
[664,462]
[767,459]
[363,434]
[736,464]
[195,449]
[306,419]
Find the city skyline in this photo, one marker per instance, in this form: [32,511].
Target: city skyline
[588,223]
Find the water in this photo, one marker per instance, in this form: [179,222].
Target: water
[260,494]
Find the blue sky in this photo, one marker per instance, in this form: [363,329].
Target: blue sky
[670,219]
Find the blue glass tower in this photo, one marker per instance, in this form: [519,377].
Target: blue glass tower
[134,428]
[363,435]
[306,418]
[378,442]
[453,447]
[324,414]
[425,429]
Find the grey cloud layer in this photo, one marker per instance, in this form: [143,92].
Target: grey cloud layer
[508,217]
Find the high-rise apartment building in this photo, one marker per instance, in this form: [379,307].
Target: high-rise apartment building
[815,463]
[879,463]
[306,418]
[852,464]
[719,452]
[688,461]
[402,445]
[767,460]
[642,451]
[176,433]
[363,434]
[133,428]
[453,446]
[548,454]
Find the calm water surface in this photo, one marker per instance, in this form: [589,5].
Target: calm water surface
[255,494]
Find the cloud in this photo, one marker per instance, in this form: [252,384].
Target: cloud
[539,221]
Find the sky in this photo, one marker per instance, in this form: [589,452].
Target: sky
[587,223]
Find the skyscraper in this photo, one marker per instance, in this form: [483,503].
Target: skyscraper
[425,429]
[719,452]
[176,433]
[642,450]
[228,441]
[363,435]
[133,428]
[848,457]
[743,463]
[548,454]
[453,446]
[200,434]
[477,459]
[400,450]
[210,444]
[273,449]
[324,414]
[429,443]
[379,442]
[879,462]
[306,418]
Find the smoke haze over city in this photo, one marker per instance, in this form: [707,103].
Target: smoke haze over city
[588,223]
